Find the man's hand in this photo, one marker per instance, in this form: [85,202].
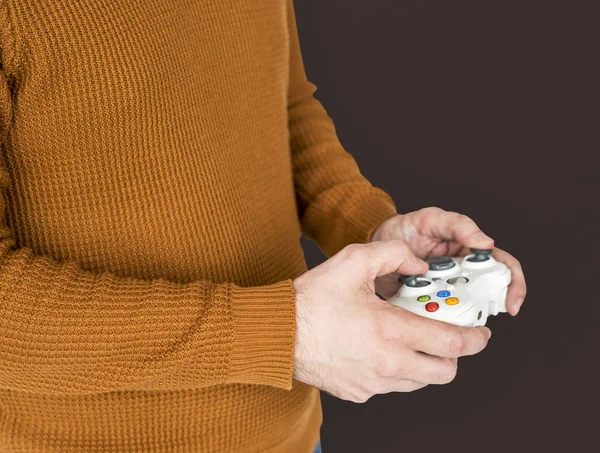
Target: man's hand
[354,345]
[432,232]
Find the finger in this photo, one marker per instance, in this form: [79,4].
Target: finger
[517,290]
[449,226]
[442,339]
[448,248]
[387,285]
[390,385]
[434,370]
[387,257]
[427,369]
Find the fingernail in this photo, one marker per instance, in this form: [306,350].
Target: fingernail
[490,334]
[519,303]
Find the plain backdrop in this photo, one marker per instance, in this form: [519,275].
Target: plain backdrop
[490,109]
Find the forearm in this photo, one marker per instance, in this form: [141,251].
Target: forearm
[67,330]
[337,205]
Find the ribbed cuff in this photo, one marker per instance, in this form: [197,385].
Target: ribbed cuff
[264,334]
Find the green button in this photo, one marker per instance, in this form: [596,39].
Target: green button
[423,298]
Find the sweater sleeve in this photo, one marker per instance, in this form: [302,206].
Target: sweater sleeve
[337,205]
[67,330]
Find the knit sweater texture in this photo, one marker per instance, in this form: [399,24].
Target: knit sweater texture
[160,161]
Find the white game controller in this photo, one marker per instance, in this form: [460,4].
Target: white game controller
[461,291]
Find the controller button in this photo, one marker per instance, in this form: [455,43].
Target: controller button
[441,263]
[443,294]
[423,298]
[413,281]
[452,301]
[479,255]
[458,280]
[431,307]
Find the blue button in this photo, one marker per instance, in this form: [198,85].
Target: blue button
[443,294]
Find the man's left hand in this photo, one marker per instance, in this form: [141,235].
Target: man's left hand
[432,232]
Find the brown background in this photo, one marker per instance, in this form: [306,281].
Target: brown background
[489,109]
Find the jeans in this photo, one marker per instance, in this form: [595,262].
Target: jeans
[318,447]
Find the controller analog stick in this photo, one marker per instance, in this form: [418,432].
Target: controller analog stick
[480,255]
[440,264]
[413,281]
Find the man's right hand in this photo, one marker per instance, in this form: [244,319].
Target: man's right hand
[354,345]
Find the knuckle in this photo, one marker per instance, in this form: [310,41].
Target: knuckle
[353,252]
[462,218]
[455,344]
[362,399]
[429,215]
[449,373]
[388,369]
[432,210]
[415,386]
[353,397]
[399,245]
[366,390]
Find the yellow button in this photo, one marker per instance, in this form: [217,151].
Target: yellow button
[452,301]
[423,298]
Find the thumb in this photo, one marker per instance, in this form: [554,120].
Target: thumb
[387,257]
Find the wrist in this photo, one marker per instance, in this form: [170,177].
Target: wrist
[388,229]
[301,320]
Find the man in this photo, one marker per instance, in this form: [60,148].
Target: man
[161,159]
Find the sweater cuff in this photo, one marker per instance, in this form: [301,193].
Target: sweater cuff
[264,334]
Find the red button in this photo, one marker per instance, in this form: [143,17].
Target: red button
[431,307]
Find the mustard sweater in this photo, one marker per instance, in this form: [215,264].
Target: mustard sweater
[160,161]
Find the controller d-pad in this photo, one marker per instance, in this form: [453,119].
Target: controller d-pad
[458,280]
[441,263]
[443,294]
